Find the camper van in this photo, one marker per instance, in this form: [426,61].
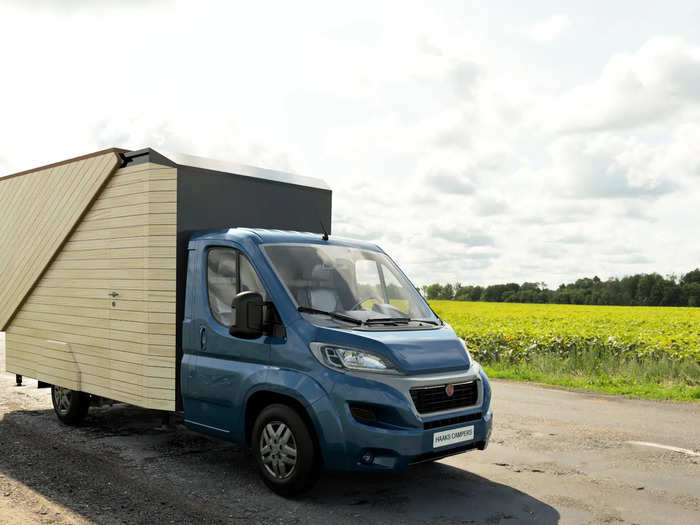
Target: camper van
[217,291]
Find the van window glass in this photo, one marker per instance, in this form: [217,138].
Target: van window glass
[369,284]
[396,293]
[249,278]
[222,283]
[359,283]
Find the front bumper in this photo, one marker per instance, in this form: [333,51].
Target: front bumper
[395,450]
[401,438]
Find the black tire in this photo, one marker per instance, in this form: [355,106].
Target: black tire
[272,453]
[70,406]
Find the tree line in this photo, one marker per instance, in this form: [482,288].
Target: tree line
[646,289]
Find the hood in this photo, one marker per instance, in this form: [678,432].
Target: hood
[413,351]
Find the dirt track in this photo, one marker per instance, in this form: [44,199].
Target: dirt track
[556,456]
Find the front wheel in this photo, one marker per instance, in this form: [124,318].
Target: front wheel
[284,450]
[70,406]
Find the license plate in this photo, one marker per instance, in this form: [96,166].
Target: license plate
[455,435]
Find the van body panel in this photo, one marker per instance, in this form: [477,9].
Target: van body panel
[223,373]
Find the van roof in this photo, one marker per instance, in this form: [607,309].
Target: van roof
[171,158]
[265,236]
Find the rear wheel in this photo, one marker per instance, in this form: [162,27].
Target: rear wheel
[70,406]
[284,450]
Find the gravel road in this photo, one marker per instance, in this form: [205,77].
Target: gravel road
[556,456]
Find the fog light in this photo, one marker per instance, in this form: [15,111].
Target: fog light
[367,458]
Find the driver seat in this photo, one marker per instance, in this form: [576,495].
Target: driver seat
[320,293]
[324,299]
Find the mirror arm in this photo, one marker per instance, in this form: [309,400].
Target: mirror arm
[274,327]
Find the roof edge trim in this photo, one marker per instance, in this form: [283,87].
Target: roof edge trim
[67,161]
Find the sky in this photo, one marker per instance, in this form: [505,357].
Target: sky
[475,142]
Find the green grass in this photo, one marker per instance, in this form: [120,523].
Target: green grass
[670,381]
[633,351]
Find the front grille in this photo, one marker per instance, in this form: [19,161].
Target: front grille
[451,421]
[435,399]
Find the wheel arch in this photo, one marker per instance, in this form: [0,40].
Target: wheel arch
[263,398]
[310,399]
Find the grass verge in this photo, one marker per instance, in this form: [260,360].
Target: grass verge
[646,378]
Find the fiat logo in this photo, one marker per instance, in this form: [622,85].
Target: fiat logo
[449,390]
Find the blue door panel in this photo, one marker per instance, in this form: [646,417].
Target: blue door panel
[221,384]
[221,366]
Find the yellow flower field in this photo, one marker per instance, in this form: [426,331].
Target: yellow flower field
[641,351]
[499,327]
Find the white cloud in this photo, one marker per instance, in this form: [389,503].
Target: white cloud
[462,152]
[657,83]
[450,183]
[487,205]
[466,236]
[683,153]
[542,211]
[464,76]
[548,29]
[71,6]
[607,166]
[637,211]
[574,238]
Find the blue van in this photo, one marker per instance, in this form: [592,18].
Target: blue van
[319,352]
[195,292]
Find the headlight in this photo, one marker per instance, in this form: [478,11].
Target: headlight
[341,358]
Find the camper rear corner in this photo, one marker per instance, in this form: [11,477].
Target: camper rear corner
[87,277]
[93,262]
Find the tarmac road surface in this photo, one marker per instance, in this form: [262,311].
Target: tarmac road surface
[556,457]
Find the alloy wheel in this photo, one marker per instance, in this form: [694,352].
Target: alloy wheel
[278,450]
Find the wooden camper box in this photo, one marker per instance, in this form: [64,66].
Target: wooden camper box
[75,233]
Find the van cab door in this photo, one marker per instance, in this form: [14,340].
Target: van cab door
[224,364]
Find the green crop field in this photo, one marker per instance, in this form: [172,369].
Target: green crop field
[639,351]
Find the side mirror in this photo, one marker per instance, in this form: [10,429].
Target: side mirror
[248,314]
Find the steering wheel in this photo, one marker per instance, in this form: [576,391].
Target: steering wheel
[359,303]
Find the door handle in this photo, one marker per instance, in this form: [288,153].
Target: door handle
[202,338]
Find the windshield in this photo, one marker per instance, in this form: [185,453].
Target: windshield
[359,284]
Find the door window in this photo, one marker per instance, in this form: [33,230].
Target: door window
[229,272]
[249,278]
[222,282]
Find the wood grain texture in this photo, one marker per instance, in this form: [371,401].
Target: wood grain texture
[70,332]
[39,211]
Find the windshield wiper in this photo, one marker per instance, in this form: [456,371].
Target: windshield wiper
[426,321]
[382,320]
[334,315]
